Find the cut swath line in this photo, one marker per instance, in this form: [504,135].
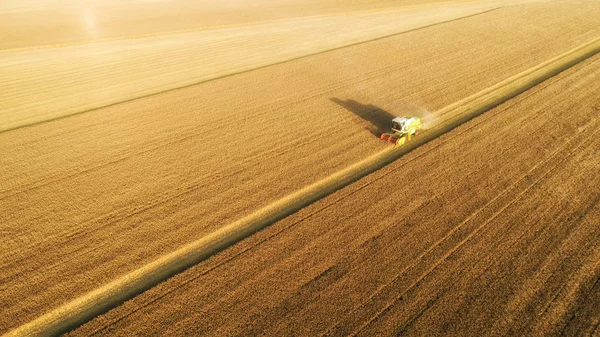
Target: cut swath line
[100,300]
[274,235]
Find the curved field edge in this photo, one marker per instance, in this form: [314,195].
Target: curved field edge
[86,307]
[27,121]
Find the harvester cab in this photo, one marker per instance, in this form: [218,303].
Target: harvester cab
[403,128]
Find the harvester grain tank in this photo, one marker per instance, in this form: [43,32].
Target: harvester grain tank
[402,129]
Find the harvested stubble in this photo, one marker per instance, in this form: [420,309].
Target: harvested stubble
[27,23]
[111,190]
[497,237]
[116,292]
[49,83]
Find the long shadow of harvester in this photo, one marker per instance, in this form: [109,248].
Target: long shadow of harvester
[372,118]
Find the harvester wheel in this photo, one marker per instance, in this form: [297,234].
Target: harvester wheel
[382,137]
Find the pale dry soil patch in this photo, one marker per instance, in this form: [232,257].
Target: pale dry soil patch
[35,23]
[29,23]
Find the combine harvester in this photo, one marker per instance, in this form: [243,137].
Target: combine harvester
[403,128]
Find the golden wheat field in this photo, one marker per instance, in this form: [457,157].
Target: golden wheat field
[178,167]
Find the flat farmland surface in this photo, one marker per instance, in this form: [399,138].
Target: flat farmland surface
[88,198]
[489,229]
[31,23]
[47,83]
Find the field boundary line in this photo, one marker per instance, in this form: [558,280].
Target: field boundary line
[84,308]
[243,70]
